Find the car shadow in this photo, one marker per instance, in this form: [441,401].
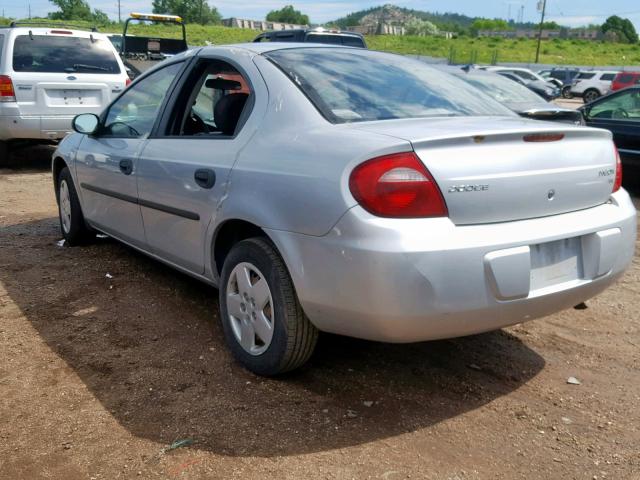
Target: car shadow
[147,343]
[28,158]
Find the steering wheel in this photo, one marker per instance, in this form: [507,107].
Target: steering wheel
[194,125]
[132,131]
[619,113]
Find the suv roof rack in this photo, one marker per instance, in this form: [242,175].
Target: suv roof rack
[15,24]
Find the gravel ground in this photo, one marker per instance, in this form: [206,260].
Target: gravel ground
[99,376]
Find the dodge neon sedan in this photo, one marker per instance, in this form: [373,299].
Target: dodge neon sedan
[327,188]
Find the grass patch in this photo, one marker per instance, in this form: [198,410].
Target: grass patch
[557,51]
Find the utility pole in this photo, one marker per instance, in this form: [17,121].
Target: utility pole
[29,11]
[119,17]
[544,9]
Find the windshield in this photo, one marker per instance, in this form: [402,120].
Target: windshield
[362,85]
[53,54]
[502,89]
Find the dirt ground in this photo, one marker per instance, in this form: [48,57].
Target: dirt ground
[99,375]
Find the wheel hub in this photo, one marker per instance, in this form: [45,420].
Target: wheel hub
[250,308]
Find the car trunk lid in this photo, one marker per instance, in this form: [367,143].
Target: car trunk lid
[504,169]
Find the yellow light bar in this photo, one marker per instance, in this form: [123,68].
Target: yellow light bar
[156,17]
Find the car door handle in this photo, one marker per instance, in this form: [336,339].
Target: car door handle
[126,166]
[205,177]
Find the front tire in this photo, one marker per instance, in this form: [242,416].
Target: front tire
[263,322]
[72,224]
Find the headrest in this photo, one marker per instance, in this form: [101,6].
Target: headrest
[220,83]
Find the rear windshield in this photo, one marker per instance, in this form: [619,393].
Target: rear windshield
[502,89]
[53,54]
[346,40]
[362,85]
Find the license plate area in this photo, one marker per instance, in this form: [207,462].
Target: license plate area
[63,97]
[554,263]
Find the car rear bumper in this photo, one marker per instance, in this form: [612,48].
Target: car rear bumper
[421,279]
[13,125]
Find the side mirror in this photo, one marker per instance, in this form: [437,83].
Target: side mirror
[86,123]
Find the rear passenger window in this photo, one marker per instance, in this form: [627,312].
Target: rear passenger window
[57,54]
[586,76]
[607,77]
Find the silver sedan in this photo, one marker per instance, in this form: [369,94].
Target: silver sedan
[333,189]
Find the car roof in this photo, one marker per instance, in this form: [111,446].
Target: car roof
[264,47]
[312,30]
[47,31]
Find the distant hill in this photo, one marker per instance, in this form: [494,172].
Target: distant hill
[394,15]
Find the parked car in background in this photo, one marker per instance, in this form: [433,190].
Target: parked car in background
[350,191]
[591,85]
[517,97]
[545,90]
[619,112]
[314,35]
[624,80]
[562,77]
[48,75]
[524,73]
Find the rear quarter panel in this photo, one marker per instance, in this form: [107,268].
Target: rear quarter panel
[293,174]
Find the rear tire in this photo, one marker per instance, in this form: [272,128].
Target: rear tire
[72,224]
[263,322]
[591,95]
[566,92]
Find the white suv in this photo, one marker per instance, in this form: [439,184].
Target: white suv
[48,76]
[593,84]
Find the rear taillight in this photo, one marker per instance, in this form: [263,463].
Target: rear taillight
[7,93]
[127,82]
[397,186]
[618,182]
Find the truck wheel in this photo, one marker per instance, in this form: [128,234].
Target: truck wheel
[74,229]
[566,92]
[263,322]
[591,95]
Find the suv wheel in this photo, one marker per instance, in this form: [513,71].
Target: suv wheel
[566,92]
[591,95]
[263,322]
[72,224]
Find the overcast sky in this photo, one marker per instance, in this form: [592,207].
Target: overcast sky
[567,12]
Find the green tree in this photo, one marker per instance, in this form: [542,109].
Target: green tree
[489,24]
[77,10]
[191,11]
[288,14]
[71,10]
[620,29]
[415,26]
